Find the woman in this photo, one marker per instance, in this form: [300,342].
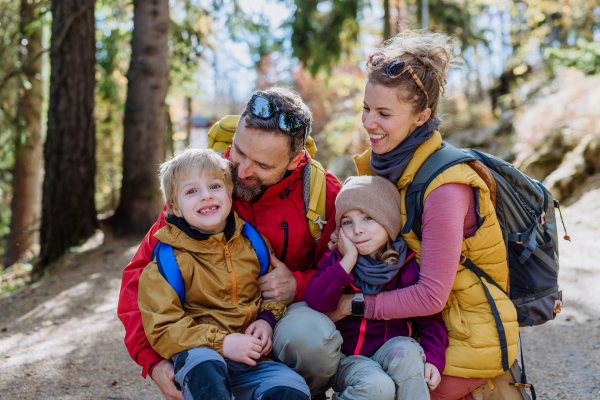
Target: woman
[405,81]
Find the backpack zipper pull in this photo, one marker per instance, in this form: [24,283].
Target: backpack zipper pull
[566,237]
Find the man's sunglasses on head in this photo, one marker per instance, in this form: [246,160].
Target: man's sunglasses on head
[264,109]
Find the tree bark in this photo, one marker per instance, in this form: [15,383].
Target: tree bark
[169,136]
[386,20]
[145,119]
[68,209]
[188,125]
[28,147]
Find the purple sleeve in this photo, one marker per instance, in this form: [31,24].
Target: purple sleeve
[448,214]
[434,339]
[268,316]
[327,284]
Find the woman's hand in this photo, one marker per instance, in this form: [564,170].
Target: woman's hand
[349,251]
[432,376]
[344,308]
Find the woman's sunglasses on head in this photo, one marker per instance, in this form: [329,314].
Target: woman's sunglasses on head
[396,68]
[264,109]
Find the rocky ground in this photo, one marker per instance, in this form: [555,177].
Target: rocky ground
[60,338]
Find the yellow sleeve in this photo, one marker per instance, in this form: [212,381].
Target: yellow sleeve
[278,308]
[168,330]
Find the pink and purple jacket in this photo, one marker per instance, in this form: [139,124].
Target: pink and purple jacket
[365,336]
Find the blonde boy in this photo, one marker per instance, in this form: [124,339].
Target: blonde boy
[222,329]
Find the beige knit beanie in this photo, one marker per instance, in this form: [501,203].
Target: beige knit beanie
[373,195]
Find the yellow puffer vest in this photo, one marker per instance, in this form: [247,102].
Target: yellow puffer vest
[474,349]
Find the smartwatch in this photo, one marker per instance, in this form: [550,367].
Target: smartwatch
[358,305]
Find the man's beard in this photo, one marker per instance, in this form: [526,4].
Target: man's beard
[253,191]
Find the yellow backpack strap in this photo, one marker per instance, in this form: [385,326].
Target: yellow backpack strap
[221,133]
[315,196]
[311,147]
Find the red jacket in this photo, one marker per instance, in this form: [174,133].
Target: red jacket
[278,215]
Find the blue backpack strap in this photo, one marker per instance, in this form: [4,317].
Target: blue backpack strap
[169,269]
[260,247]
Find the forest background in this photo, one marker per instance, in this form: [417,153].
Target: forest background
[94,94]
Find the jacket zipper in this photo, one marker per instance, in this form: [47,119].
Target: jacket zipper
[361,336]
[234,285]
[284,225]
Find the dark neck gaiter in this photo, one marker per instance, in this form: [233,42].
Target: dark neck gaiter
[195,234]
[391,165]
[371,275]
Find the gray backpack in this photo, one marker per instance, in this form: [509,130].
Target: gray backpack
[525,210]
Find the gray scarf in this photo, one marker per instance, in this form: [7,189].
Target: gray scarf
[391,165]
[371,275]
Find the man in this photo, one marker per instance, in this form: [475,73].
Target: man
[267,156]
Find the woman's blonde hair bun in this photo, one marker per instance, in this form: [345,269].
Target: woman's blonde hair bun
[430,55]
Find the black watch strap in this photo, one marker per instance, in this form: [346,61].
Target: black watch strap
[358,304]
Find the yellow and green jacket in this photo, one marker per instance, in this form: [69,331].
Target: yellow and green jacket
[474,346]
[221,292]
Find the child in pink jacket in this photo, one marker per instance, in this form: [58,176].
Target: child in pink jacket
[380,359]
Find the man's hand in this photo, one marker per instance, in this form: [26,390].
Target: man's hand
[432,376]
[163,375]
[262,330]
[278,284]
[344,308]
[242,348]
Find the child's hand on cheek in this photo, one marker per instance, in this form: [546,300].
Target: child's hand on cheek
[348,250]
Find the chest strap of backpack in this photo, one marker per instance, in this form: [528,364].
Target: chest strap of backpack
[315,196]
[169,269]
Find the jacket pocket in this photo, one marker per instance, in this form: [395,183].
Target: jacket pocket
[534,275]
[456,323]
[540,308]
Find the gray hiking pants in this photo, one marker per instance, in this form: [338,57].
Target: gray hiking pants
[308,342]
[395,371]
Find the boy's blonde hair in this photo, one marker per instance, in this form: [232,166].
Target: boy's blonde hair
[203,162]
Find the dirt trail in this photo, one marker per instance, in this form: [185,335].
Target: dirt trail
[61,339]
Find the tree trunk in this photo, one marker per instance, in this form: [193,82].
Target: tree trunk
[28,147]
[68,209]
[402,15]
[169,136]
[386,20]
[145,119]
[188,125]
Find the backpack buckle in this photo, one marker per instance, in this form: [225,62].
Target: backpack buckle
[320,222]
[519,233]
[522,385]
[542,220]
